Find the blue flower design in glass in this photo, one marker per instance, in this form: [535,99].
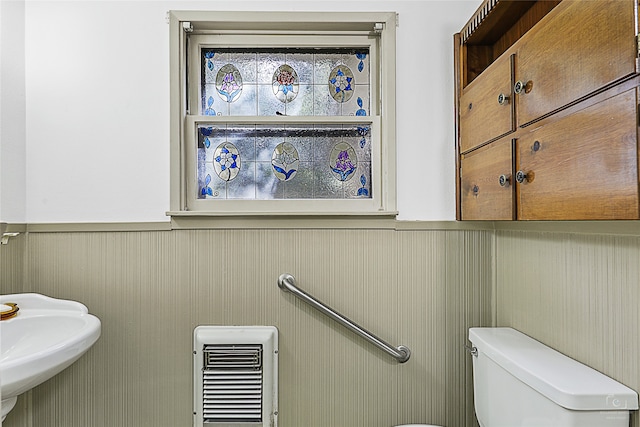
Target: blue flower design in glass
[361,56]
[209,56]
[360,111]
[362,191]
[363,131]
[343,161]
[206,132]
[285,161]
[340,80]
[226,161]
[209,111]
[206,190]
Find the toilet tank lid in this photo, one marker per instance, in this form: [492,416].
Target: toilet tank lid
[561,379]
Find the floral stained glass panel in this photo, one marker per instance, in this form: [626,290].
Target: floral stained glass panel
[287,81]
[265,162]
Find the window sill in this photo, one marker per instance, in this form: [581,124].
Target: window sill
[244,220]
[390,214]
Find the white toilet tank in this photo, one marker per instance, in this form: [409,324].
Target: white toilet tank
[520,382]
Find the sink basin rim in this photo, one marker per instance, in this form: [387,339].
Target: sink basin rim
[20,374]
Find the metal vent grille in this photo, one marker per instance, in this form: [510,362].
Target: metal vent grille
[232,383]
[235,376]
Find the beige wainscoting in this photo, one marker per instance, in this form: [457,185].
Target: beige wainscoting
[578,293]
[12,265]
[150,288]
[12,270]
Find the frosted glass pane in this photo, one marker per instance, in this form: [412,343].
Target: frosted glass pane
[323,64]
[323,103]
[303,64]
[265,162]
[267,138]
[327,137]
[243,186]
[246,64]
[285,81]
[267,185]
[325,186]
[300,137]
[244,138]
[268,63]
[302,186]
[247,103]
[268,104]
[302,105]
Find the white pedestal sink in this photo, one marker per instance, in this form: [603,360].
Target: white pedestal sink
[46,336]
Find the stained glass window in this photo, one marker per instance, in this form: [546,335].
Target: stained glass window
[283,113]
[258,162]
[291,82]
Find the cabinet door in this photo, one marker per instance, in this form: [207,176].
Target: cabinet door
[578,48]
[485,196]
[582,166]
[486,110]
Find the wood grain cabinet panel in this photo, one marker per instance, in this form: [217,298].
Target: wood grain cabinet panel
[486,182]
[583,166]
[580,47]
[486,106]
[572,147]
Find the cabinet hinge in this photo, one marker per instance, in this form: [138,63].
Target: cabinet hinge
[637,45]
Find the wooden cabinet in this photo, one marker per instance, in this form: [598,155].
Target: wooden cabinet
[486,109]
[547,111]
[582,166]
[576,49]
[486,188]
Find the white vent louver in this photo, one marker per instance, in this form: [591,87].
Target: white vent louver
[232,383]
[235,376]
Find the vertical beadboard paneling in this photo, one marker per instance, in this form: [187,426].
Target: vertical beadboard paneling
[12,265]
[469,294]
[423,379]
[150,289]
[576,293]
[12,269]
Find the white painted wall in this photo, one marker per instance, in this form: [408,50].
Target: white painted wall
[97,105]
[12,112]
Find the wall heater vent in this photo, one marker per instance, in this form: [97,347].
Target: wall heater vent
[235,376]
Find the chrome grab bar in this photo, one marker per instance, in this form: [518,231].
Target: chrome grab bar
[287,283]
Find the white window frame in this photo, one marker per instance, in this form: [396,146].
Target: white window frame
[191,29]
